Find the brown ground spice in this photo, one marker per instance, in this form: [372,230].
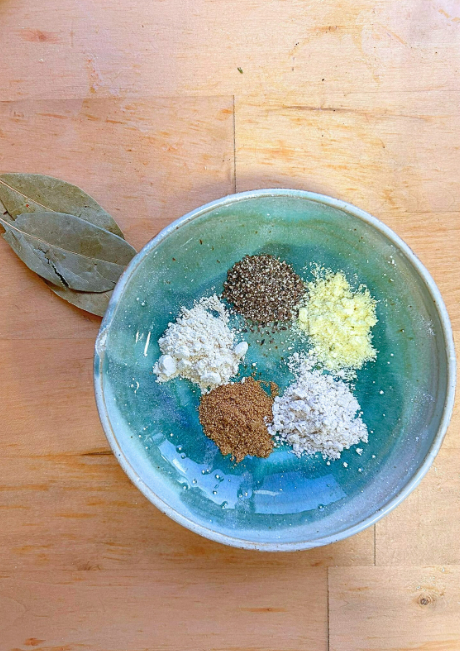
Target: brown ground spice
[233,416]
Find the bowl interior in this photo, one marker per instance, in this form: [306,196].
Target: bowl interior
[282,500]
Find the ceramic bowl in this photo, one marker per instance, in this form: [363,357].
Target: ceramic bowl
[283,502]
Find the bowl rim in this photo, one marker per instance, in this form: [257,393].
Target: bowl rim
[411,483]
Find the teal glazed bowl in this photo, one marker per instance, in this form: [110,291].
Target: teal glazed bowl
[281,503]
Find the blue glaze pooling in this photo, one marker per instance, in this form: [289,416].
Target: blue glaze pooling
[282,502]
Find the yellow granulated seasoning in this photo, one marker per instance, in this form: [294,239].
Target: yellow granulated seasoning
[338,321]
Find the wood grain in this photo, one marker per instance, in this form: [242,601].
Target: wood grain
[394,608]
[179,152]
[47,404]
[294,49]
[119,611]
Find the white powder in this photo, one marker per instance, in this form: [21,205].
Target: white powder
[200,346]
[317,413]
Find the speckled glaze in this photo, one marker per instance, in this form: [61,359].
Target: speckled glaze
[281,503]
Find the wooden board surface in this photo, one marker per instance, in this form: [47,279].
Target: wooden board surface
[143,105]
[154,610]
[295,49]
[394,608]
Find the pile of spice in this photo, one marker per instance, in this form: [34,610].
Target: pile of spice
[263,289]
[317,413]
[338,321]
[234,416]
[200,346]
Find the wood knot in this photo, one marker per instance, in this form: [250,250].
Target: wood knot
[425,599]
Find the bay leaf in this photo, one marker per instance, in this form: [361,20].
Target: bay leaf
[4,213]
[29,193]
[68,251]
[94,302]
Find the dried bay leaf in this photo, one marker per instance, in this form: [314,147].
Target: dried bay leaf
[62,268]
[68,251]
[74,234]
[34,193]
[29,193]
[4,213]
[94,302]
[33,257]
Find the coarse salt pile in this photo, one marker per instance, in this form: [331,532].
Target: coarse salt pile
[317,413]
[200,346]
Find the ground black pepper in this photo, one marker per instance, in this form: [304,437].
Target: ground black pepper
[263,289]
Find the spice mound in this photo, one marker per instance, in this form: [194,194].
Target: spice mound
[317,413]
[338,322]
[234,416]
[263,289]
[200,346]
